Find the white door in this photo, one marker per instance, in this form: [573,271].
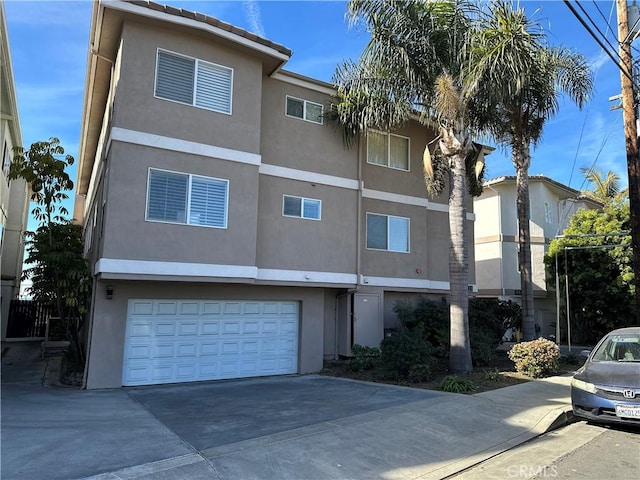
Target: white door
[171,341]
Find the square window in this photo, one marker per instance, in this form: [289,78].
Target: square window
[313,112]
[295,107]
[388,150]
[387,233]
[292,206]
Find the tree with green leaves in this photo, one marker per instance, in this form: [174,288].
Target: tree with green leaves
[606,188]
[519,78]
[59,273]
[413,68]
[597,261]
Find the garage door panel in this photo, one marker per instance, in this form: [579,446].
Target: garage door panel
[164,350]
[232,308]
[188,327]
[187,350]
[141,307]
[162,373]
[189,308]
[210,328]
[186,371]
[185,340]
[140,329]
[165,329]
[139,351]
[208,348]
[231,327]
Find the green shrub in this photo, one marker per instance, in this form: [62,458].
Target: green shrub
[488,320]
[403,351]
[537,358]
[364,358]
[492,375]
[419,373]
[454,384]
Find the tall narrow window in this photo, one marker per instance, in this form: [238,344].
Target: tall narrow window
[6,160]
[548,214]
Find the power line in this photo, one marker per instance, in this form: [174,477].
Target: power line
[596,26]
[607,21]
[594,36]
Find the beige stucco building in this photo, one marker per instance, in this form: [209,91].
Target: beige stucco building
[14,194]
[496,239]
[230,231]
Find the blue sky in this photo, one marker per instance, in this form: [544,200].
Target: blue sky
[49,41]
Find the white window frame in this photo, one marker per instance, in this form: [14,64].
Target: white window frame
[548,212]
[408,169]
[302,200]
[197,61]
[388,217]
[6,160]
[304,109]
[188,202]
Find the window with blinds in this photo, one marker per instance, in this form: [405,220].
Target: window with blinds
[194,82]
[188,199]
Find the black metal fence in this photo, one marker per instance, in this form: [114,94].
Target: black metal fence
[27,318]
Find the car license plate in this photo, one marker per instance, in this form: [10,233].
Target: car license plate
[629,411]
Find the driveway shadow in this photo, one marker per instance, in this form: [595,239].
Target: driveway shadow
[214,414]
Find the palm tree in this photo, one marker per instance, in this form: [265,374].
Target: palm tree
[520,78]
[412,69]
[606,189]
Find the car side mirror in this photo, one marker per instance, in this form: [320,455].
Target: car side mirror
[585,353]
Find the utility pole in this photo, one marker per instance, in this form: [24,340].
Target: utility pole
[629,115]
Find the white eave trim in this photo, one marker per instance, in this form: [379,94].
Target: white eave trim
[404,283]
[115,268]
[196,24]
[135,137]
[143,267]
[311,177]
[409,200]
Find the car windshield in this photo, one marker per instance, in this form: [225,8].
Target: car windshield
[618,348]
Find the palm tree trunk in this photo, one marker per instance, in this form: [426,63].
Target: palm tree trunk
[521,161]
[460,348]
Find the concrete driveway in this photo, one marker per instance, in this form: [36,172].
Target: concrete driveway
[57,433]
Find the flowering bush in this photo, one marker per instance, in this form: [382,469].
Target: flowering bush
[537,358]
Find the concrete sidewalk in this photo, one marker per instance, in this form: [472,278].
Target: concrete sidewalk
[422,435]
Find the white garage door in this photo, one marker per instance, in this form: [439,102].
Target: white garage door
[171,341]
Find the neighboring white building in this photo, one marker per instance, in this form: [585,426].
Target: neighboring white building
[14,195]
[496,239]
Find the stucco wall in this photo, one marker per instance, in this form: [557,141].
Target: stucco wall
[138,109]
[129,236]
